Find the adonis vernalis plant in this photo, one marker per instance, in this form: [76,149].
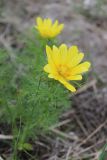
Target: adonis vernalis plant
[47,29]
[29,101]
[64,64]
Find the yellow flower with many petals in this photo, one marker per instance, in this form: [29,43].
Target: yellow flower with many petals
[47,29]
[64,65]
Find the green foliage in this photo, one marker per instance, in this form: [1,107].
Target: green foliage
[103,155]
[30,102]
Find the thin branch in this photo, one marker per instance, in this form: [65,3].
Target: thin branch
[93,133]
[5,137]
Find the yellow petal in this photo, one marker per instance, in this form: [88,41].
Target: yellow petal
[49,22]
[60,27]
[73,51]
[55,49]
[56,55]
[55,24]
[70,87]
[66,84]
[45,22]
[63,48]
[75,77]
[39,21]
[48,52]
[63,53]
[81,68]
[51,54]
[50,76]
[47,68]
[76,60]
[50,59]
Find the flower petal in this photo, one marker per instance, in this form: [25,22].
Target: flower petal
[75,77]
[56,55]
[81,68]
[76,60]
[50,76]
[49,22]
[55,24]
[66,84]
[39,21]
[73,51]
[50,59]
[47,68]
[60,27]
[63,53]
[48,52]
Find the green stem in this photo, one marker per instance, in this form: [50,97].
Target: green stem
[28,126]
[16,140]
[103,155]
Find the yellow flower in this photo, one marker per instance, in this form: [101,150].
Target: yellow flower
[47,29]
[64,64]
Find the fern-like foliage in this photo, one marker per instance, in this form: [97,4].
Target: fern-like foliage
[30,102]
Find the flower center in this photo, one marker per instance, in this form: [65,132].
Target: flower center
[63,70]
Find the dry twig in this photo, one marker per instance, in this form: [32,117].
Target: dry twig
[5,137]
